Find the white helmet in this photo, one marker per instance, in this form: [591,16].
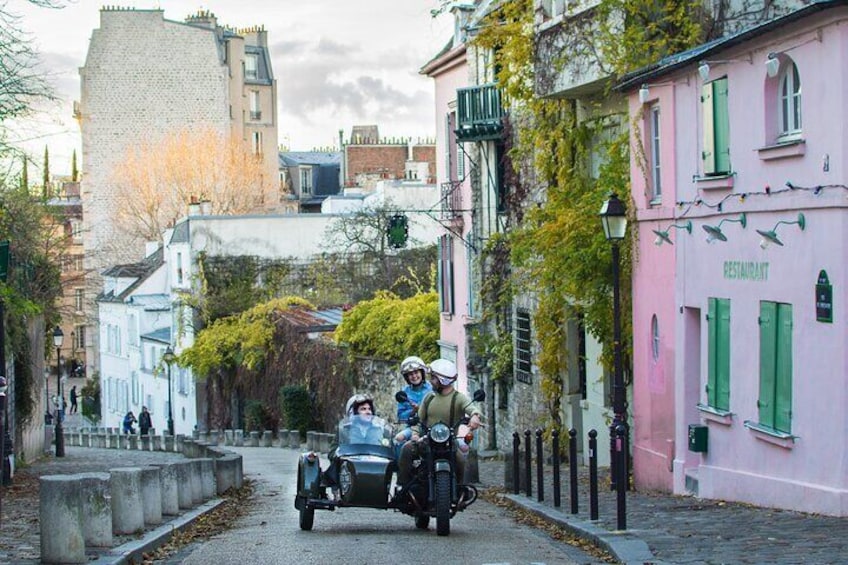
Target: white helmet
[444,370]
[355,401]
[412,364]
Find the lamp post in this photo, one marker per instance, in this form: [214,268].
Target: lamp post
[614,220]
[168,357]
[58,337]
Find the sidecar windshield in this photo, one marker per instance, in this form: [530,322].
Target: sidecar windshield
[365,434]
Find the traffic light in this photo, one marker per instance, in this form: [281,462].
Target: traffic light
[398,231]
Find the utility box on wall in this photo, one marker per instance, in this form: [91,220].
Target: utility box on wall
[698,438]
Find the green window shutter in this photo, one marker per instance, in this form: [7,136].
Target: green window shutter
[783,370]
[712,331]
[722,378]
[768,346]
[721,126]
[440,274]
[707,154]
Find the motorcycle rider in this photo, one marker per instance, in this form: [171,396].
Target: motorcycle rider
[444,404]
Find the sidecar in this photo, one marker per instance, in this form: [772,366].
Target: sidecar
[358,472]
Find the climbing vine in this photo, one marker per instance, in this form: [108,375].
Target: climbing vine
[572,154]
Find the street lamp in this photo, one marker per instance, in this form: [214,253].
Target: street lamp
[168,357]
[614,219]
[58,337]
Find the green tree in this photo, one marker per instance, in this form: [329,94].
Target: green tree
[45,176]
[74,170]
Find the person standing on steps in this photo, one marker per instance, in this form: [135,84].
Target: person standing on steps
[73,399]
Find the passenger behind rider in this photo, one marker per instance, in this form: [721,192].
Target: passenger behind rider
[414,370]
[444,404]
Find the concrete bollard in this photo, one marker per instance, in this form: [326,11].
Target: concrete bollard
[60,518]
[189,448]
[169,489]
[253,439]
[202,437]
[324,441]
[283,437]
[207,478]
[213,437]
[195,434]
[127,505]
[170,443]
[294,439]
[228,472]
[151,495]
[184,498]
[95,491]
[133,445]
[178,443]
[196,483]
[145,443]
[238,438]
[124,442]
[228,437]
[266,438]
[310,440]
[155,443]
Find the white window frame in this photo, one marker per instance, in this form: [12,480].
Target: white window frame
[789,103]
[305,180]
[655,160]
[79,299]
[251,66]
[257,142]
[255,106]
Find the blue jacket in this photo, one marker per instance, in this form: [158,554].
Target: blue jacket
[416,396]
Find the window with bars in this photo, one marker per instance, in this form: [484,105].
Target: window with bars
[523,361]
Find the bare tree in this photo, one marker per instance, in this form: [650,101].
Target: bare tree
[158,179]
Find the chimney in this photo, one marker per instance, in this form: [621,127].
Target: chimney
[205,207]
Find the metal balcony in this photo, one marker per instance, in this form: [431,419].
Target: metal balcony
[451,200]
[479,113]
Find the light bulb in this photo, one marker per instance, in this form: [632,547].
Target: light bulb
[658,241]
[763,243]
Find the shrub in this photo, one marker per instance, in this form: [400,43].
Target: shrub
[256,417]
[296,408]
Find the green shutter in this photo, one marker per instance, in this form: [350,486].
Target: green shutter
[712,331]
[768,347]
[707,155]
[440,274]
[722,383]
[721,128]
[783,370]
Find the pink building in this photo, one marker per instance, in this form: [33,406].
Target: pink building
[739,388]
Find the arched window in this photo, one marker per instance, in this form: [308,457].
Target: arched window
[789,93]
[655,338]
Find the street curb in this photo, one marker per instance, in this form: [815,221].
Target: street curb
[131,552]
[624,546]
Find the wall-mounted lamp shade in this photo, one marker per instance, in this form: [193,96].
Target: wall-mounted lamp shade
[772,65]
[714,233]
[663,237]
[704,70]
[644,94]
[58,336]
[770,236]
[614,218]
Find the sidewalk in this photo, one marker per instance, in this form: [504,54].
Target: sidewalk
[664,528]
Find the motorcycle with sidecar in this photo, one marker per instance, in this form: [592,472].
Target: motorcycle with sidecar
[360,474]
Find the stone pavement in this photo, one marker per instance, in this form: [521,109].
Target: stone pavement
[682,529]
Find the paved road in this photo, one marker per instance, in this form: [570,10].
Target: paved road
[484,534]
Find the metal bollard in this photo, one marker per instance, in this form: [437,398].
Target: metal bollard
[516,465]
[528,453]
[621,483]
[556,464]
[593,475]
[572,467]
[540,467]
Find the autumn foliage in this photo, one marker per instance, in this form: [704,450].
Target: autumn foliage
[160,177]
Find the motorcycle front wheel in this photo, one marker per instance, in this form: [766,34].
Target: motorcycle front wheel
[443,503]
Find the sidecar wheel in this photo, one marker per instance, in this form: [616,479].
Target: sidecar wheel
[422,521]
[307,516]
[443,503]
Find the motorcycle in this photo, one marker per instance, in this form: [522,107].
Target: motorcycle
[360,474]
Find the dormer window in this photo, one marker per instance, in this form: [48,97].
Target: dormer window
[251,66]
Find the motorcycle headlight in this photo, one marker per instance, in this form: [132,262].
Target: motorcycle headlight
[439,433]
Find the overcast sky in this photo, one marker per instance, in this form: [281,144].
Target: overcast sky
[338,63]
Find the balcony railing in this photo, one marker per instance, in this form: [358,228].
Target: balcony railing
[451,200]
[480,113]
[255,115]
